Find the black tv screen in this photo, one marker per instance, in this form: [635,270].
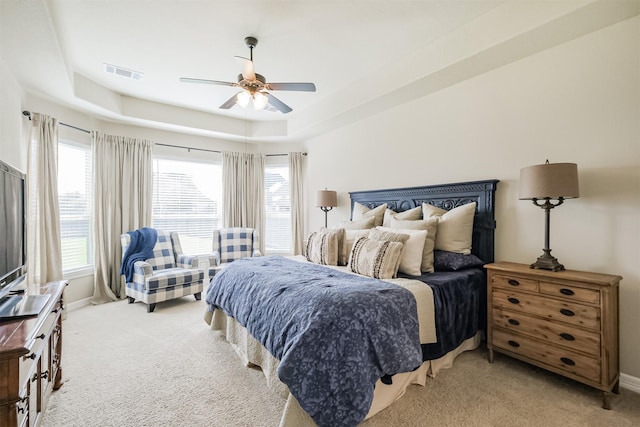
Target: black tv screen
[12,226]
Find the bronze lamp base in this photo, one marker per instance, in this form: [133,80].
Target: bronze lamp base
[547,262]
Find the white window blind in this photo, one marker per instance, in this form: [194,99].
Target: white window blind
[187,198]
[278,209]
[74,195]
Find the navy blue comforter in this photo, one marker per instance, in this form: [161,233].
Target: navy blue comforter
[459,299]
[335,334]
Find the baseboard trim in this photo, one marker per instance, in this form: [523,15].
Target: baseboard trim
[78,304]
[630,383]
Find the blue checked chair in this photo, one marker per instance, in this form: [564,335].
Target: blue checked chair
[230,244]
[167,275]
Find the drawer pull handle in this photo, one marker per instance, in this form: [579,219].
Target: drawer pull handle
[513,343]
[565,291]
[32,356]
[513,282]
[567,336]
[514,300]
[41,336]
[567,312]
[567,361]
[514,322]
[22,405]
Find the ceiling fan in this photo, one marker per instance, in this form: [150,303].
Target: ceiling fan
[254,86]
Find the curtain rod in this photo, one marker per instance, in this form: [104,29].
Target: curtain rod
[28,114]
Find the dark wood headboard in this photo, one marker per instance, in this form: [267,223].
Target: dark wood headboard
[445,196]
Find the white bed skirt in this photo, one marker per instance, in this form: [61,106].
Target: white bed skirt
[252,353]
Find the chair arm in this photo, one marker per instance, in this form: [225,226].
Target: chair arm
[141,271]
[216,256]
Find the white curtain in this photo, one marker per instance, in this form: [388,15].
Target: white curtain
[44,253]
[296,185]
[243,191]
[123,176]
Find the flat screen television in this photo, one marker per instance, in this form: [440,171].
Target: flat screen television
[12,228]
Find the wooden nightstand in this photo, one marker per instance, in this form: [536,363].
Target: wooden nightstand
[564,321]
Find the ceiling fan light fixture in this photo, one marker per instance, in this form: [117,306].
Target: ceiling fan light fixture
[243,99]
[259,101]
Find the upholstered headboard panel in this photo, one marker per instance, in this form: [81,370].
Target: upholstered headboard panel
[445,196]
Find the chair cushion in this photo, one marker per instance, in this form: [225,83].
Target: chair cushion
[235,243]
[172,277]
[162,252]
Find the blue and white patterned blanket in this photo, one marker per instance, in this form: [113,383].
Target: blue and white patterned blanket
[335,334]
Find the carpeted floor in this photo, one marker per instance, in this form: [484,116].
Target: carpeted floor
[125,367]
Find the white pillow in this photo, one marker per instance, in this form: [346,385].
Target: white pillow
[411,259]
[359,224]
[431,226]
[360,211]
[455,227]
[410,214]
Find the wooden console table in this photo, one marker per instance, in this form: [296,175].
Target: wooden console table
[30,355]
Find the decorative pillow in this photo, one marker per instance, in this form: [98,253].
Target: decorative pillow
[382,235]
[411,258]
[410,214]
[431,226]
[455,227]
[375,258]
[360,211]
[321,246]
[361,224]
[350,237]
[453,261]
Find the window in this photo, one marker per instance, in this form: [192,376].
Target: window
[187,198]
[277,236]
[74,196]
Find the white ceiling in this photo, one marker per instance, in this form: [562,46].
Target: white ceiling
[363,56]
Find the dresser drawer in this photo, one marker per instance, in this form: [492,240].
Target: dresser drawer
[572,293]
[554,332]
[560,358]
[576,314]
[514,282]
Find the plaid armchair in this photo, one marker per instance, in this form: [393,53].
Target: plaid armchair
[168,274]
[230,244]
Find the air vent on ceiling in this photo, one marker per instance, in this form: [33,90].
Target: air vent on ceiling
[123,72]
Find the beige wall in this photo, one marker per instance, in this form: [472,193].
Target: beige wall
[578,102]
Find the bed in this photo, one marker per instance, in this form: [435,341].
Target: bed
[456,318]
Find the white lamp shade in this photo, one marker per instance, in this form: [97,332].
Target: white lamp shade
[243,98]
[259,100]
[327,198]
[549,180]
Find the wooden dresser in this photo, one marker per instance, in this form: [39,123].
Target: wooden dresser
[564,321]
[30,352]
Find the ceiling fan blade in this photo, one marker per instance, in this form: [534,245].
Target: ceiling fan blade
[279,105]
[230,102]
[301,87]
[247,68]
[210,82]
